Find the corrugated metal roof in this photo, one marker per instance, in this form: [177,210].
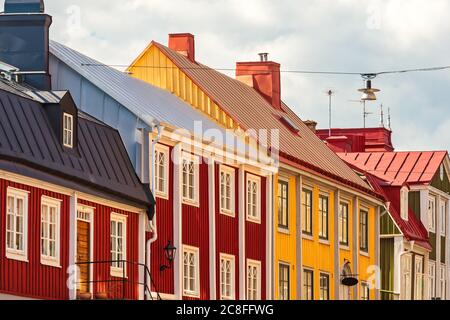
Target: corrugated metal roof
[398,168]
[248,108]
[29,145]
[146,101]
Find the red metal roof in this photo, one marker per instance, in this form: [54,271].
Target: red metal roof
[248,108]
[398,168]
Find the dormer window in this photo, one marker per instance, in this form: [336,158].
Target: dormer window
[404,194]
[67,130]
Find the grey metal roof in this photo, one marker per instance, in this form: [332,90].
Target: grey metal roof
[145,101]
[100,165]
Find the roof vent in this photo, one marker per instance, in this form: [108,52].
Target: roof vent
[290,124]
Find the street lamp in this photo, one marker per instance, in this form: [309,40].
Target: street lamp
[368,93]
[169,252]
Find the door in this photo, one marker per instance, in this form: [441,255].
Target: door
[83,250]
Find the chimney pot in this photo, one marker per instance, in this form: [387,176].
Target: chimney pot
[183,43]
[263,57]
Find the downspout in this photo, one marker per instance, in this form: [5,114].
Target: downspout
[152,223]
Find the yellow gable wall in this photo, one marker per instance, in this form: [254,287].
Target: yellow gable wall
[285,242]
[155,68]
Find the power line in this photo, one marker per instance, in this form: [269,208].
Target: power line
[363,74]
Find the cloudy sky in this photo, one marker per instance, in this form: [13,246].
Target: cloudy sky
[330,35]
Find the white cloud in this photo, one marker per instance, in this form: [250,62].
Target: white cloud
[344,35]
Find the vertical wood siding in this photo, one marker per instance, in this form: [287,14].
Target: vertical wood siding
[164,209]
[196,229]
[32,279]
[255,238]
[227,232]
[102,245]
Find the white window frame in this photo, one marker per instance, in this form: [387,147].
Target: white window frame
[256,180]
[432,214]
[327,276]
[419,278]
[47,259]
[232,172]
[68,132]
[443,216]
[305,285]
[231,259]
[194,159]
[163,150]
[443,281]
[117,271]
[406,277]
[432,279]
[255,265]
[188,292]
[404,199]
[14,254]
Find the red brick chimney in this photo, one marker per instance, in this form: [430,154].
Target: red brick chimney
[263,76]
[183,43]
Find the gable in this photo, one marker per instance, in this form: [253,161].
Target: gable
[441,184]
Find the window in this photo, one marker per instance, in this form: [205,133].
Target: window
[443,282]
[345,292]
[227,277]
[419,278]
[406,277]
[50,231]
[283,204]
[365,291]
[343,223]
[432,214]
[118,244]
[227,190]
[253,280]
[284,281]
[323,217]
[307,211]
[162,159]
[68,130]
[324,286]
[432,280]
[191,280]
[404,203]
[190,176]
[253,198]
[364,231]
[443,218]
[16,224]
[308,285]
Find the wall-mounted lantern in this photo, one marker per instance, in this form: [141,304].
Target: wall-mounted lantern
[169,252]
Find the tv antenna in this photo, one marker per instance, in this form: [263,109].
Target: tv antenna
[330,93]
[365,112]
[381,116]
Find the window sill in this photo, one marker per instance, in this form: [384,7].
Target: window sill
[324,242]
[308,237]
[50,263]
[253,220]
[16,256]
[191,295]
[344,247]
[118,273]
[191,203]
[228,213]
[284,231]
[163,196]
[363,253]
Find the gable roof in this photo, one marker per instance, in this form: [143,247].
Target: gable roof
[251,111]
[148,102]
[398,168]
[30,147]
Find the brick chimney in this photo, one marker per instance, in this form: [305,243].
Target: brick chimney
[263,76]
[312,125]
[183,43]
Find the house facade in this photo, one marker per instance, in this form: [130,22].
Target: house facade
[325,217]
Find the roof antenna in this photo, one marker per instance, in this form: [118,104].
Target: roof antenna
[381,116]
[330,93]
[389,119]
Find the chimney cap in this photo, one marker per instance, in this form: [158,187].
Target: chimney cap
[24,6]
[263,56]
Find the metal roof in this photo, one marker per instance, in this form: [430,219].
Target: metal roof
[398,168]
[248,108]
[99,166]
[149,103]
